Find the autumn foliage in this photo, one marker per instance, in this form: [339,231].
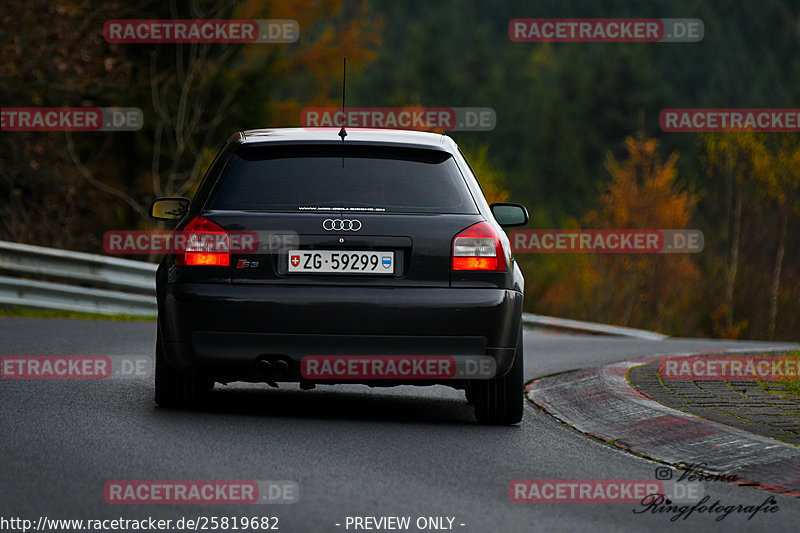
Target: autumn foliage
[760,175]
[650,291]
[65,190]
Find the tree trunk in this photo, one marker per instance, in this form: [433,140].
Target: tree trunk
[776,274]
[733,266]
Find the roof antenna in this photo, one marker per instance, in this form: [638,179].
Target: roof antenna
[342,132]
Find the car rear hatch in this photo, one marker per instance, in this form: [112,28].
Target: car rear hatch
[343,214]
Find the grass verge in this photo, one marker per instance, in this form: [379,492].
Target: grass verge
[28,312]
[792,385]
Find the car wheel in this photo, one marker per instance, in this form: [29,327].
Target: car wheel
[178,389]
[469,392]
[500,400]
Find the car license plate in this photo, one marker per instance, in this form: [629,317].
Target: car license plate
[341,262]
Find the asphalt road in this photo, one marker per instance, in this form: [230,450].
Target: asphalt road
[354,451]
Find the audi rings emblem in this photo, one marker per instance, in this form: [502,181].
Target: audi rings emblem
[341,224]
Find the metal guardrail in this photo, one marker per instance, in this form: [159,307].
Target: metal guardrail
[589,328]
[75,281]
[108,285]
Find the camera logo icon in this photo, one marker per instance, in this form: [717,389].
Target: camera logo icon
[663,473]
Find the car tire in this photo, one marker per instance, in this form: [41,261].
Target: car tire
[469,392]
[178,389]
[500,400]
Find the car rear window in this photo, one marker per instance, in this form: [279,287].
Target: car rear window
[343,178]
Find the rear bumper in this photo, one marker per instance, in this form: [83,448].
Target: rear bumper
[223,329]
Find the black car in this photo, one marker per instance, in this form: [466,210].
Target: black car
[378,245]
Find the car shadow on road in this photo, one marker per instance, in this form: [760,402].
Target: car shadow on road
[338,402]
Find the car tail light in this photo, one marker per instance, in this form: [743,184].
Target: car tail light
[478,248]
[207,244]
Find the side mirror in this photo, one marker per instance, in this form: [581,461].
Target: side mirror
[509,215]
[169,208]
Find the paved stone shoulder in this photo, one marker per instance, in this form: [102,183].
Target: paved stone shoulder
[760,407]
[602,402]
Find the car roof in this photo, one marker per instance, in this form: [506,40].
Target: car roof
[361,136]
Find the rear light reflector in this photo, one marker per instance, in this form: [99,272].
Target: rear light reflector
[207,244]
[478,248]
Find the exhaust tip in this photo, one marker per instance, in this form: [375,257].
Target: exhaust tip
[264,366]
[280,367]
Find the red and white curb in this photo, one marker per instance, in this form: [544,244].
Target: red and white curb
[601,402]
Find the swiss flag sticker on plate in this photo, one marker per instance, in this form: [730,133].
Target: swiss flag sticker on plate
[295,260]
